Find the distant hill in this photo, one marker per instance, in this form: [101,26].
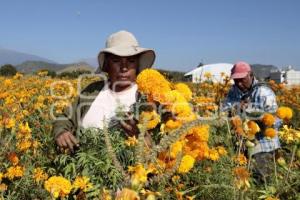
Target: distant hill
[14,57]
[91,61]
[32,66]
[262,72]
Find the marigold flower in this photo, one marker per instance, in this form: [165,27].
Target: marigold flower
[270,132]
[1,176]
[214,155]
[151,119]
[3,187]
[186,164]
[241,177]
[184,90]
[284,113]
[39,175]
[14,172]
[13,158]
[221,150]
[175,149]
[268,119]
[252,129]
[139,174]
[23,145]
[58,186]
[83,183]
[240,159]
[131,141]
[127,194]
[151,83]
[172,124]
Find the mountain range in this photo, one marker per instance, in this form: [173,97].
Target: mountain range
[28,63]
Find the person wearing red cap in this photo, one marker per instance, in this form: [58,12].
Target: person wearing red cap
[247,96]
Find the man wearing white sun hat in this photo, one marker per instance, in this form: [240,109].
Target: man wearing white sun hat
[122,59]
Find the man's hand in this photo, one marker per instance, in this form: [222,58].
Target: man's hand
[130,126]
[67,140]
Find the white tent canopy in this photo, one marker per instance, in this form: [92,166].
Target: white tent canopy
[214,69]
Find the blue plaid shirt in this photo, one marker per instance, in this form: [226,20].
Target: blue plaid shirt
[260,99]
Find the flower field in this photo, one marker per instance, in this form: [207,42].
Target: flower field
[194,151]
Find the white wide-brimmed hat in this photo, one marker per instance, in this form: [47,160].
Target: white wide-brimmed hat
[123,43]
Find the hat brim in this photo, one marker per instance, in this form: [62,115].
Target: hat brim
[147,56]
[239,75]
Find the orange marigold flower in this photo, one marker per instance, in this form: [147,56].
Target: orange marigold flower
[241,177]
[13,158]
[270,132]
[284,113]
[268,119]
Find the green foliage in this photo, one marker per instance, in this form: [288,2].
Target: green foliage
[8,70]
[73,74]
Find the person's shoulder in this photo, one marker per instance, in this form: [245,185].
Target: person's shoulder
[264,88]
[94,87]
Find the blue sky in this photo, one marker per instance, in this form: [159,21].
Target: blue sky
[183,33]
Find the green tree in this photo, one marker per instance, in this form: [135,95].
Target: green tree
[8,70]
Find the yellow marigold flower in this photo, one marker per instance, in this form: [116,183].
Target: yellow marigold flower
[13,158]
[270,132]
[9,122]
[213,154]
[8,83]
[151,119]
[14,172]
[184,90]
[221,150]
[139,174]
[83,183]
[172,124]
[240,159]
[186,164]
[268,119]
[58,186]
[23,145]
[131,141]
[241,177]
[175,149]
[24,131]
[1,176]
[3,187]
[127,194]
[39,174]
[284,113]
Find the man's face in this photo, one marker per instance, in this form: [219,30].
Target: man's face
[121,71]
[244,84]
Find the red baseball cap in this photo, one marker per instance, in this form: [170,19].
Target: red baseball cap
[240,70]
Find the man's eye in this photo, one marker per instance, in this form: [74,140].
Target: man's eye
[132,60]
[116,60]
